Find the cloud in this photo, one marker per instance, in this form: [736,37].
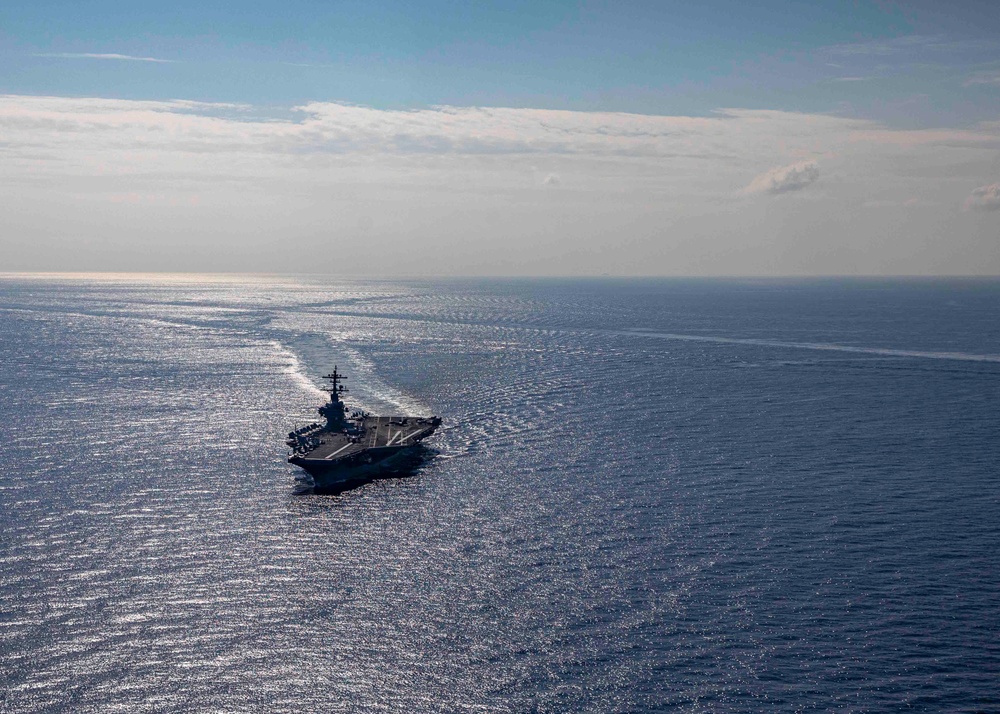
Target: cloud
[324,128]
[915,44]
[184,143]
[104,56]
[906,203]
[733,145]
[310,64]
[83,177]
[983,79]
[785,179]
[984,198]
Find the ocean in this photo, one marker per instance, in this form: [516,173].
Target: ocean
[647,495]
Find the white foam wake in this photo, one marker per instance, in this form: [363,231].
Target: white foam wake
[370,385]
[295,370]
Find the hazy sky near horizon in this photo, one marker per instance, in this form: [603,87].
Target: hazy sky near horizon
[517,138]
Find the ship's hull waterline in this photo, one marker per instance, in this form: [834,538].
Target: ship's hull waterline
[377,462]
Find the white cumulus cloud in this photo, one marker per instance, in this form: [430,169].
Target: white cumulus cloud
[785,178]
[984,198]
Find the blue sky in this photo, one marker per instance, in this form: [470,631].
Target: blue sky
[517,138]
[907,63]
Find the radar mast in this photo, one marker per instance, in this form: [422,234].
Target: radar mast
[334,411]
[336,388]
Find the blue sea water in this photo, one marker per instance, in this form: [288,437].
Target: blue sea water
[648,495]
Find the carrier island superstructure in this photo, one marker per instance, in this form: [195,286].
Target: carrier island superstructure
[356,446]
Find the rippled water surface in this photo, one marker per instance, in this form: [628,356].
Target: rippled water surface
[701,496]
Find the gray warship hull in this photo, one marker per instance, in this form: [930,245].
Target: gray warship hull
[356,447]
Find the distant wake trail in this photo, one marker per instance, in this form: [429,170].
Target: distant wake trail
[643,332]
[827,347]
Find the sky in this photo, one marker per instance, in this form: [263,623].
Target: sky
[519,138]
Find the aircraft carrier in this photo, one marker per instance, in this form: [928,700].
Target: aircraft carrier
[345,448]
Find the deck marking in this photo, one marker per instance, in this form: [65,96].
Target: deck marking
[337,451]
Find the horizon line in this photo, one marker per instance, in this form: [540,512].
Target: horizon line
[512,276]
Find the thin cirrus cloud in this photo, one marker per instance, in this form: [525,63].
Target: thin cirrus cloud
[785,179]
[908,44]
[984,198]
[733,152]
[89,125]
[468,182]
[104,56]
[983,79]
